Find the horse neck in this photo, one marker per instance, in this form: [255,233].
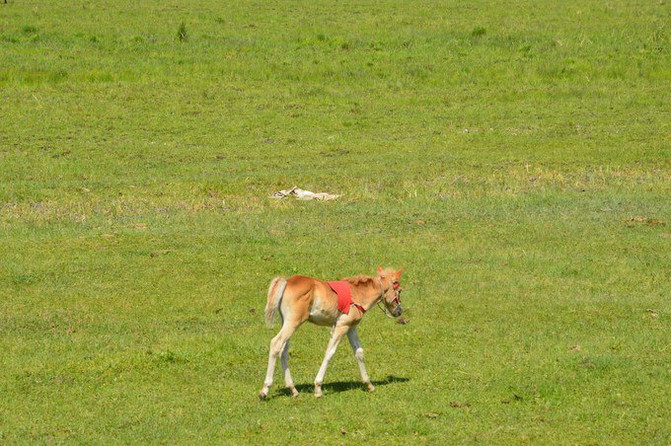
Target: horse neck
[367,292]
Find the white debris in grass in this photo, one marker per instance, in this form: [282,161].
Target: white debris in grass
[302,194]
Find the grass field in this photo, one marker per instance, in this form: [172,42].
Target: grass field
[514,157]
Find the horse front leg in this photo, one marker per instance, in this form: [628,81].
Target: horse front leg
[336,335]
[353,337]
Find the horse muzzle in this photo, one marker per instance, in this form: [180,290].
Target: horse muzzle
[397,311]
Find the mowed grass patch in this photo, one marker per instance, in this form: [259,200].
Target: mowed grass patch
[514,160]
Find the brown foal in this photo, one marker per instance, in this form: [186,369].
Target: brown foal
[301,299]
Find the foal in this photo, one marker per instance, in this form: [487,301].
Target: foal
[301,299]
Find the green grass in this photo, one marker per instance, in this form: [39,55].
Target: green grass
[513,157]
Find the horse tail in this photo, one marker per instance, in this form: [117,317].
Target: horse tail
[275,292]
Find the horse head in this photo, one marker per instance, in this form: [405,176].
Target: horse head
[390,289]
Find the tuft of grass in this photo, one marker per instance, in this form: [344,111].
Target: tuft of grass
[29,29]
[182,34]
[478,31]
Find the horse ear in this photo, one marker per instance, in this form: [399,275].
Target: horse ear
[398,273]
[379,270]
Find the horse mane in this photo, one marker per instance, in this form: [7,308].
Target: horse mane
[359,280]
[364,280]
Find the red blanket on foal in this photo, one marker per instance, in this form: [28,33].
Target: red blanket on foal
[344,292]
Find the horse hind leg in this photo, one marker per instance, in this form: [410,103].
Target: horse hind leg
[284,358]
[277,347]
[272,358]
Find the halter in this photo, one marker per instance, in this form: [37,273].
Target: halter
[397,299]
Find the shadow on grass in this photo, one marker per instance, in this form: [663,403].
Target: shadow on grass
[345,386]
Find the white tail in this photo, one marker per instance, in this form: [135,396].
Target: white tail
[275,292]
